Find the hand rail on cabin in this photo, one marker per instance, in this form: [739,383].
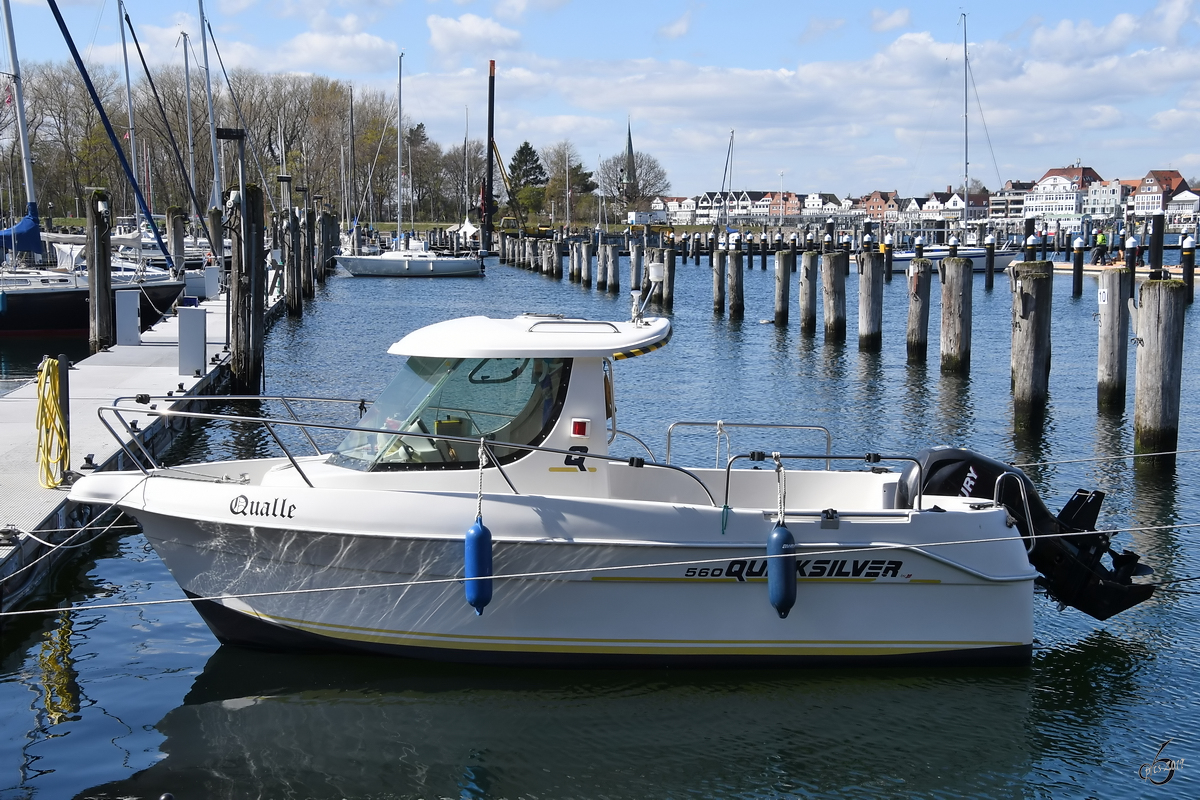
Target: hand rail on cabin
[143,399]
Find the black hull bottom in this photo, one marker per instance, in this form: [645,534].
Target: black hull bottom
[234,628]
[64,312]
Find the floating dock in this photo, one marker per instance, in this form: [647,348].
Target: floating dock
[153,368]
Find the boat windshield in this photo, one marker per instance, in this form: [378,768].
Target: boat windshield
[514,400]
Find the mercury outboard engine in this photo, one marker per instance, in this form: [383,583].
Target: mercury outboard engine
[1070,565]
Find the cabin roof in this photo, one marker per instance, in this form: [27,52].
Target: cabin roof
[534,336]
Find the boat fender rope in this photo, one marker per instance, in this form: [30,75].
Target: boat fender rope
[482,463]
[781,484]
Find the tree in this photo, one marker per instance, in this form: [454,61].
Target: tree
[651,181]
[526,168]
[566,170]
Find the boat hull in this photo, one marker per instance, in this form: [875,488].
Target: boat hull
[404,265]
[600,598]
[63,310]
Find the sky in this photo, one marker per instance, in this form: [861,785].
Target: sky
[838,97]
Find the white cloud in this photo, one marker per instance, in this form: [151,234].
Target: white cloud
[469,33]
[678,28]
[884,21]
[515,9]
[818,27]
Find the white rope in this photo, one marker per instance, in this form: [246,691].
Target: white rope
[1105,458]
[584,570]
[781,485]
[482,464]
[721,432]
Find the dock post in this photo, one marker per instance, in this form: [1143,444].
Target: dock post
[717,261]
[308,251]
[254,278]
[1159,331]
[668,290]
[791,247]
[602,253]
[102,331]
[324,251]
[635,265]
[174,228]
[887,258]
[1157,229]
[238,322]
[783,279]
[1033,291]
[989,264]
[291,242]
[957,289]
[833,291]
[585,265]
[1113,357]
[808,292]
[614,271]
[1077,268]
[919,270]
[737,304]
[1187,260]
[870,299]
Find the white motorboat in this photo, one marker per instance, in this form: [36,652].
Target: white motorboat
[415,262]
[580,557]
[978,255]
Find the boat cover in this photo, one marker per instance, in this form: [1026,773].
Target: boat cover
[25,236]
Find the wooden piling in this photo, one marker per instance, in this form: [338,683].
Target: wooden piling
[635,266]
[602,254]
[324,247]
[291,260]
[585,265]
[1161,306]
[957,287]
[717,260]
[102,329]
[737,305]
[870,301]
[887,259]
[808,292]
[174,225]
[1187,260]
[919,271]
[247,291]
[308,252]
[783,279]
[1033,292]
[1113,357]
[1157,229]
[1077,268]
[989,264]
[668,290]
[833,293]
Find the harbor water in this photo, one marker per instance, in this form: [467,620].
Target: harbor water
[141,700]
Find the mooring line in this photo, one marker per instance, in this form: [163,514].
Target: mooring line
[584,570]
[1104,458]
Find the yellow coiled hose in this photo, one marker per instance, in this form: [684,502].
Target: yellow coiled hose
[53,445]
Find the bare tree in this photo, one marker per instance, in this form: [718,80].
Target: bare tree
[651,180]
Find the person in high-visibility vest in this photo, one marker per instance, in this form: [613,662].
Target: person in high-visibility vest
[1101,248]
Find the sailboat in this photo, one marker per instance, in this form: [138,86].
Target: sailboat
[1002,257]
[36,300]
[412,258]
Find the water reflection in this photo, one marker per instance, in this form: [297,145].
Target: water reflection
[369,727]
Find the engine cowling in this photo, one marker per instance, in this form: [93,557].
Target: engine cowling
[1065,548]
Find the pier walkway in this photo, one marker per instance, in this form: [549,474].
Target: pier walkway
[121,371]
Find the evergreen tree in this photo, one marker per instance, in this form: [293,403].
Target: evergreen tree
[526,168]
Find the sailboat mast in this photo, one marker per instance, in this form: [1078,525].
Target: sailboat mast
[966,140]
[22,130]
[187,94]
[214,199]
[129,107]
[399,148]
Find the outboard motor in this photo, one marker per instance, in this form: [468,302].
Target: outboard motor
[1071,569]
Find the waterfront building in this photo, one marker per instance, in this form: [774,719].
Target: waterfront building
[1009,202]
[1155,191]
[1106,199]
[1183,208]
[1060,192]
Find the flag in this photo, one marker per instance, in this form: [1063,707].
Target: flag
[126,137]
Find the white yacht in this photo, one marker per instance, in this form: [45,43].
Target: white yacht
[478,512]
